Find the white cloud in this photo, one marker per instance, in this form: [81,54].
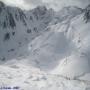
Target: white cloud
[56,4]
[17,3]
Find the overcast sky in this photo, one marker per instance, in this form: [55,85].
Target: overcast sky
[56,4]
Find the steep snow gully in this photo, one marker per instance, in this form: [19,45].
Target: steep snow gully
[42,49]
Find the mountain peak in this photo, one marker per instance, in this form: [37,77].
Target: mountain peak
[2,4]
[88,7]
[40,10]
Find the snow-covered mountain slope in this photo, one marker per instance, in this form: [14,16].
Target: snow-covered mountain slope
[64,49]
[42,49]
[18,27]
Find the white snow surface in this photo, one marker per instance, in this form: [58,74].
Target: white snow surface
[29,78]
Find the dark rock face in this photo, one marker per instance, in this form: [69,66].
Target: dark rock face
[22,16]
[29,30]
[87,14]
[11,20]
[7,36]
[13,33]
[11,16]
[2,5]
[39,12]
[4,24]
[8,21]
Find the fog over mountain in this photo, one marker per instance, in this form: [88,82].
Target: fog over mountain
[56,4]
